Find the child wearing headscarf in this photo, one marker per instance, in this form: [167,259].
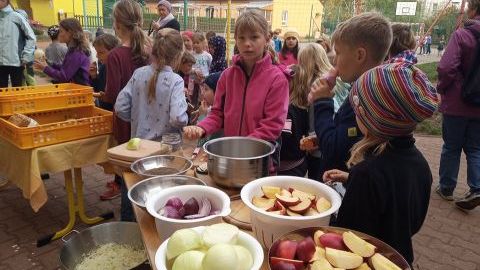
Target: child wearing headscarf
[217,47]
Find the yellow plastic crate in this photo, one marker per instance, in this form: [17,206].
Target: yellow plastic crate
[58,126]
[40,98]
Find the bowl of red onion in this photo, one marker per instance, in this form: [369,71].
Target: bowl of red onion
[186,207]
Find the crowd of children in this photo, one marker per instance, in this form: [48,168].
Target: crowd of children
[343,109]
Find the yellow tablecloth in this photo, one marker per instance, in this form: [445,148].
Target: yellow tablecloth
[23,167]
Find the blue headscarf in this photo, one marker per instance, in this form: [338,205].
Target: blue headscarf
[218,45]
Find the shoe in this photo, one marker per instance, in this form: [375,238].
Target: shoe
[448,196]
[469,201]
[112,193]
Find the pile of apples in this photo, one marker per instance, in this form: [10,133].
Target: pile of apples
[328,251]
[290,202]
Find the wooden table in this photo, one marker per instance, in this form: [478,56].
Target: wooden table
[147,223]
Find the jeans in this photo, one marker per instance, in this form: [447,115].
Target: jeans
[126,209]
[460,133]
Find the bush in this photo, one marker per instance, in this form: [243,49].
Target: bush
[430,69]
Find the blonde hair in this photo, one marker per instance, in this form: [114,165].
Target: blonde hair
[167,50]
[250,21]
[368,143]
[370,30]
[128,13]
[197,36]
[403,39]
[312,64]
[187,57]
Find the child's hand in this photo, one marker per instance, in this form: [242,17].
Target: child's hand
[199,78]
[203,109]
[335,176]
[320,89]
[39,65]
[309,143]
[193,132]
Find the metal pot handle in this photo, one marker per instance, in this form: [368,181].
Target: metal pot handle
[63,237]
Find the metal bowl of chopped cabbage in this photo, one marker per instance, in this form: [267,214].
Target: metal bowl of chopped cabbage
[113,245]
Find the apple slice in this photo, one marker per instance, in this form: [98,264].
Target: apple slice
[270,191]
[316,237]
[363,266]
[298,264]
[278,207]
[332,240]
[306,249]
[319,253]
[357,245]
[278,212]
[380,262]
[311,212]
[285,193]
[263,202]
[292,214]
[343,259]
[321,264]
[288,201]
[287,249]
[302,207]
[303,195]
[323,205]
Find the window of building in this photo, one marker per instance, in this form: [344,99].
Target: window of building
[285,18]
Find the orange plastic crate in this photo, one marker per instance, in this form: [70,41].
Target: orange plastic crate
[40,98]
[58,126]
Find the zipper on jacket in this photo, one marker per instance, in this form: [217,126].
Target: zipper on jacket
[244,97]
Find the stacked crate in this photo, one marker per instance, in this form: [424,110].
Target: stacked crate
[64,112]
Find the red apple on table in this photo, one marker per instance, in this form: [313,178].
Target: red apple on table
[274,261]
[306,249]
[332,240]
[287,249]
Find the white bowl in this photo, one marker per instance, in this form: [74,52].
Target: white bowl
[244,239]
[166,226]
[268,227]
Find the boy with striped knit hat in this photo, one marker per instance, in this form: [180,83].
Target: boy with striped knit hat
[389,183]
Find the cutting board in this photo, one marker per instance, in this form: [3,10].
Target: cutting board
[147,148]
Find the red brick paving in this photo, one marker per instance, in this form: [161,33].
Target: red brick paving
[449,239]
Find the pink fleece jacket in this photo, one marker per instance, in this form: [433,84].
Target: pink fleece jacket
[263,97]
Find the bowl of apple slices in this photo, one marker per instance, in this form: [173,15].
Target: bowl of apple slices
[328,248]
[280,204]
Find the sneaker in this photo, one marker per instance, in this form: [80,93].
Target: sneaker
[448,196]
[112,193]
[469,201]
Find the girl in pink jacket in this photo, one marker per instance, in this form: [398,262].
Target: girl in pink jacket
[252,95]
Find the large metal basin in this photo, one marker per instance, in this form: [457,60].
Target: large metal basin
[235,161]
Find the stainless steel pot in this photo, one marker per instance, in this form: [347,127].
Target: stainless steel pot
[112,232]
[235,161]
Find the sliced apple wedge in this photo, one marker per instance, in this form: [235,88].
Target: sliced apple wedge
[380,262]
[298,264]
[363,266]
[270,191]
[302,207]
[321,264]
[287,201]
[316,237]
[285,193]
[303,195]
[319,253]
[343,259]
[323,205]
[263,203]
[357,245]
[292,214]
[311,212]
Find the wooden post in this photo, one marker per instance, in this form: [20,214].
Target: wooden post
[460,15]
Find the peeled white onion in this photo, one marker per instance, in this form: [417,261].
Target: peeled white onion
[181,241]
[221,233]
[190,260]
[220,257]
[245,260]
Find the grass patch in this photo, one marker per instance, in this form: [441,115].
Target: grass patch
[431,126]
[430,69]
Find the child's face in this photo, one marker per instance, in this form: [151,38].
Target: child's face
[188,43]
[350,62]
[208,94]
[291,42]
[186,68]
[64,36]
[198,46]
[102,53]
[251,45]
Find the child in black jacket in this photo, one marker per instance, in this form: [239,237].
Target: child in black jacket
[388,187]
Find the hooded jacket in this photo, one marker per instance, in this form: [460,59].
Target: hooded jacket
[453,68]
[17,40]
[254,106]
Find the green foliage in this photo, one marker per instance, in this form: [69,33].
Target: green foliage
[431,126]
[430,69]
[445,26]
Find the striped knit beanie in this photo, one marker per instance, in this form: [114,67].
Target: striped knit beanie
[395,97]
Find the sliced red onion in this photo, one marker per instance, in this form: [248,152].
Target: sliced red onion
[194,216]
[191,206]
[205,208]
[174,202]
[170,212]
[214,212]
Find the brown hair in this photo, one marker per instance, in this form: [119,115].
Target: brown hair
[210,34]
[252,20]
[79,41]
[474,5]
[187,57]
[167,49]
[403,39]
[370,30]
[108,41]
[198,37]
[325,42]
[128,13]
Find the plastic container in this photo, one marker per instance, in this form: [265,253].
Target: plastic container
[41,98]
[58,126]
[172,139]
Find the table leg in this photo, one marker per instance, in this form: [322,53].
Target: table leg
[80,204]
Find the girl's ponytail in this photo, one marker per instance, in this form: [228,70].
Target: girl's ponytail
[138,41]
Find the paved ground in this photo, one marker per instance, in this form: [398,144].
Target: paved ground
[449,239]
